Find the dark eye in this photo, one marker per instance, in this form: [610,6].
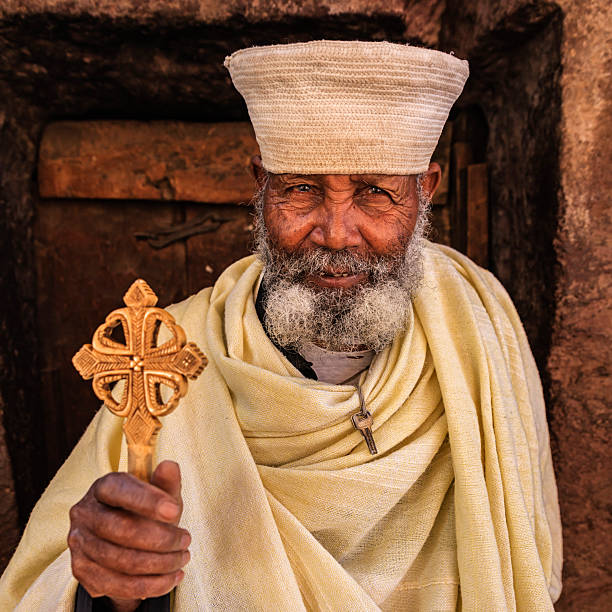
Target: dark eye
[373,189]
[302,188]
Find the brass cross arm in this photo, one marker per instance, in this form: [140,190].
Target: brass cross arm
[139,379]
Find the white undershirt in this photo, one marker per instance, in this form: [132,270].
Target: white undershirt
[337,368]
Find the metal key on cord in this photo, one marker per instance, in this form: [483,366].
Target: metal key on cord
[363,422]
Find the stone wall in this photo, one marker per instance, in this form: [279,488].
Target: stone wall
[541,79]
[578,366]
[551,228]
[21,431]
[515,65]
[9,527]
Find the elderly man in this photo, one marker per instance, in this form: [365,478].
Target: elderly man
[370,432]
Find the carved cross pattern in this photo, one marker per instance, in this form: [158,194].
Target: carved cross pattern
[142,367]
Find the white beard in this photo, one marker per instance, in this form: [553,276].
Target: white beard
[368,316]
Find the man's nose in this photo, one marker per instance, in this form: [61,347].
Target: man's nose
[336,228]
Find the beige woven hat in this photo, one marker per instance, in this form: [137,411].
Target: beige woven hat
[342,107]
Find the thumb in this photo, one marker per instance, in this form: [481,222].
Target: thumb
[167,477]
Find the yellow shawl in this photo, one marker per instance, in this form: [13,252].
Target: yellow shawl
[288,510]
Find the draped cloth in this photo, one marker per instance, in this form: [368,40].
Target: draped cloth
[287,508]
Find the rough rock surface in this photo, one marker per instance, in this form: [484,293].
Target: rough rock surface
[551,228]
[421,20]
[581,346]
[541,82]
[9,527]
[21,434]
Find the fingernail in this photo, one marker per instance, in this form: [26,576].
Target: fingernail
[179,576]
[185,541]
[186,557]
[168,509]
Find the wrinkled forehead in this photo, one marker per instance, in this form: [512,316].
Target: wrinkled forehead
[395,182]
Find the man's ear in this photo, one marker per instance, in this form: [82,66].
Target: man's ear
[259,172]
[431,179]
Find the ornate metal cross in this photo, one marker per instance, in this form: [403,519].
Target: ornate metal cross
[142,368]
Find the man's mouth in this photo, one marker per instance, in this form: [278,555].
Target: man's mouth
[336,279]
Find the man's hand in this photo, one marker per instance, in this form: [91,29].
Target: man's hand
[124,538]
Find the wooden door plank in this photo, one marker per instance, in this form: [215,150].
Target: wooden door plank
[87,256]
[462,157]
[209,254]
[477,213]
[442,155]
[138,160]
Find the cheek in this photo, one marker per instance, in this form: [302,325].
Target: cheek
[390,233]
[286,228]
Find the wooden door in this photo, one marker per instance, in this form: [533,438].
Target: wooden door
[163,201]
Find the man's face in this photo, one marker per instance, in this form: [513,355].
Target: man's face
[343,255]
[370,216]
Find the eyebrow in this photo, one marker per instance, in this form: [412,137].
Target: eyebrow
[378,177]
[392,183]
[285,178]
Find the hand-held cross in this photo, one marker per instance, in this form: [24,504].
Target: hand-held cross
[143,367]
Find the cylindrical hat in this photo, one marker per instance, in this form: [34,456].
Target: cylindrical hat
[347,107]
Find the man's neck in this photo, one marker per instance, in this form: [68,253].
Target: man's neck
[337,367]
